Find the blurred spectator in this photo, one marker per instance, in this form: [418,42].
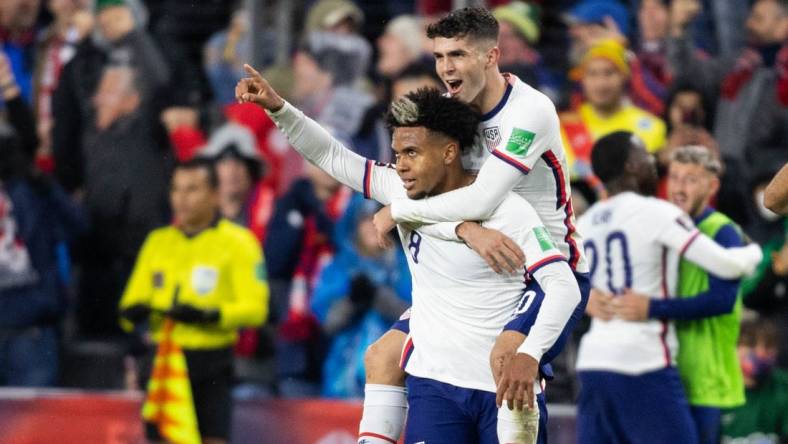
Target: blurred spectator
[299,243]
[72,103]
[412,78]
[182,30]
[603,73]
[18,39]
[650,76]
[340,16]
[590,21]
[36,216]
[124,192]
[327,70]
[751,120]
[764,418]
[72,22]
[401,44]
[243,197]
[359,294]
[688,118]
[226,51]
[195,283]
[519,30]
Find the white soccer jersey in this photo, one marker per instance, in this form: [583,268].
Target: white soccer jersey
[522,130]
[460,304]
[633,241]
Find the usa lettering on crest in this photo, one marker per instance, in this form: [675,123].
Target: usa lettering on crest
[492,137]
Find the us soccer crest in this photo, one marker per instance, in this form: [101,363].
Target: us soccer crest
[492,137]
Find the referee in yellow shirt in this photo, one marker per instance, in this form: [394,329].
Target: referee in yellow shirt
[206,274]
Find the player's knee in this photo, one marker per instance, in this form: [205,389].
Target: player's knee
[382,366]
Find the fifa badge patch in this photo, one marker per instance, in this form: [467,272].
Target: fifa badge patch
[544,239]
[520,141]
[492,137]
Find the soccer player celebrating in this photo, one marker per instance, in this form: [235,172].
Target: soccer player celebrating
[520,129]
[460,305]
[630,389]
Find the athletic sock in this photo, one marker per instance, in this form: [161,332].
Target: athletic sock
[385,409]
[518,426]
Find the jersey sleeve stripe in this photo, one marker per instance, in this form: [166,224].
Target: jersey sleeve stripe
[407,350]
[546,261]
[664,330]
[368,180]
[375,435]
[523,169]
[558,175]
[688,243]
[562,198]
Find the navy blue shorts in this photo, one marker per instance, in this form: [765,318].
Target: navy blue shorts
[440,413]
[531,303]
[648,408]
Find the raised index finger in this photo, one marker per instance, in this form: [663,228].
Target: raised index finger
[251,71]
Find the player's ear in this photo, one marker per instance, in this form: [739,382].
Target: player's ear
[451,152]
[493,54]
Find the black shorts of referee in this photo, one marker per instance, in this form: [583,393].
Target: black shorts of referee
[211,377]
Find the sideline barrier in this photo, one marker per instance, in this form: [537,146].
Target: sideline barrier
[73,416]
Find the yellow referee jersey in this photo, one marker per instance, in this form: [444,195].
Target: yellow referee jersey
[220,268]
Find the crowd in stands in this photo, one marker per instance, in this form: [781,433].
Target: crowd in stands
[100,99]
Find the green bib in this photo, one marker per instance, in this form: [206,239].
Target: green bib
[707,359]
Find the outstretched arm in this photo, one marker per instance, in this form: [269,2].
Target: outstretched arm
[679,233]
[315,143]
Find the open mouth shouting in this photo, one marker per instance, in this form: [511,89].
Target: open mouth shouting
[454,86]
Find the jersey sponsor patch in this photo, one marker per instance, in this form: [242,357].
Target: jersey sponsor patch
[492,137]
[544,239]
[520,141]
[204,279]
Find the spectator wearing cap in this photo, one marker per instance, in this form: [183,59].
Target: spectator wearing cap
[357,297]
[592,20]
[751,117]
[519,31]
[603,73]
